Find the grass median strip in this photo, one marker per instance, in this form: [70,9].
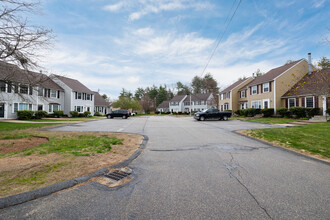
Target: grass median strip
[273,120]
[313,138]
[31,159]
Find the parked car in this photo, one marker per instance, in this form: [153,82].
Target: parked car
[212,113]
[133,113]
[119,113]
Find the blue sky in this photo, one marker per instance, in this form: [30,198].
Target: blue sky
[115,44]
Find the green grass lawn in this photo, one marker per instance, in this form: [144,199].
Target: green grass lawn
[314,138]
[8,126]
[273,120]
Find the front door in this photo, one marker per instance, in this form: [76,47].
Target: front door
[2,110]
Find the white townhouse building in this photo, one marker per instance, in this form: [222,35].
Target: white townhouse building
[25,90]
[176,103]
[101,105]
[77,96]
[199,102]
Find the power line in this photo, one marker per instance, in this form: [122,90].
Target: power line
[220,39]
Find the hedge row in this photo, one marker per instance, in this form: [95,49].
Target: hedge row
[298,112]
[76,114]
[249,112]
[27,115]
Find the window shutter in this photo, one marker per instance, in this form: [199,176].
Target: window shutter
[31,90]
[270,86]
[316,101]
[240,94]
[48,93]
[58,94]
[229,94]
[261,88]
[45,92]
[245,93]
[250,90]
[303,102]
[76,95]
[257,89]
[297,102]
[286,103]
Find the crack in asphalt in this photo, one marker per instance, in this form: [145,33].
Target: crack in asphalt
[144,126]
[233,164]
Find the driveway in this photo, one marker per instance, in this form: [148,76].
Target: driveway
[194,170]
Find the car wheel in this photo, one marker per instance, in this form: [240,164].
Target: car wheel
[124,117]
[225,118]
[108,116]
[202,118]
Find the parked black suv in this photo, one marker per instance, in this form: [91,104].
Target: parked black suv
[119,113]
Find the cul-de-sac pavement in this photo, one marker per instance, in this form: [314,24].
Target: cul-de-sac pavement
[194,170]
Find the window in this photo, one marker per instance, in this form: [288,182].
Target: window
[186,103]
[221,97]
[265,87]
[171,103]
[79,108]
[256,104]
[2,86]
[266,103]
[227,95]
[309,102]
[15,107]
[254,90]
[88,96]
[243,94]
[226,106]
[291,102]
[9,85]
[79,95]
[53,93]
[54,107]
[40,91]
[40,107]
[202,102]
[24,89]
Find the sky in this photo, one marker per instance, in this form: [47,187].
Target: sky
[113,44]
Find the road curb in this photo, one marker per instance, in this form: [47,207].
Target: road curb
[283,148]
[45,191]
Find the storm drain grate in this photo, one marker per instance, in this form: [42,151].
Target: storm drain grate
[117,175]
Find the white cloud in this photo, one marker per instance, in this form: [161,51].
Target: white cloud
[318,3]
[114,7]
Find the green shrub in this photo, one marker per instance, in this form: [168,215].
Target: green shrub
[157,112]
[25,115]
[239,112]
[257,111]
[58,114]
[40,114]
[267,112]
[284,112]
[81,115]
[87,113]
[250,112]
[74,114]
[97,114]
[313,111]
[299,112]
[328,111]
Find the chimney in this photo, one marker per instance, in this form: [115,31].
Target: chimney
[253,75]
[309,63]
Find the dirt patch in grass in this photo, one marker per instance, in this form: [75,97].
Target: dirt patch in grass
[279,144]
[20,173]
[14,145]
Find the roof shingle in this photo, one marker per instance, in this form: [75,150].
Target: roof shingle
[74,84]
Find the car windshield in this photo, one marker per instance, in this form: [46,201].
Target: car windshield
[205,110]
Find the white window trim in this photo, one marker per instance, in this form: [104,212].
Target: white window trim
[256,101]
[256,90]
[263,103]
[294,102]
[263,87]
[306,101]
[53,93]
[243,94]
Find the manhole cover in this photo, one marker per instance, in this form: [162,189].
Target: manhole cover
[117,175]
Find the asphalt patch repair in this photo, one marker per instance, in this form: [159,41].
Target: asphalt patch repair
[20,174]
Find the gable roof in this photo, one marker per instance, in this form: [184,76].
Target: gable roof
[272,74]
[99,100]
[177,98]
[164,104]
[234,85]
[12,73]
[318,82]
[74,84]
[198,97]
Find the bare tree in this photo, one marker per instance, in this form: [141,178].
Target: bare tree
[20,40]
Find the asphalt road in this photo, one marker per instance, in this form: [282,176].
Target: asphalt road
[194,170]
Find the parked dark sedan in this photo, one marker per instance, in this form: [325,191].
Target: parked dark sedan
[119,113]
[212,113]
